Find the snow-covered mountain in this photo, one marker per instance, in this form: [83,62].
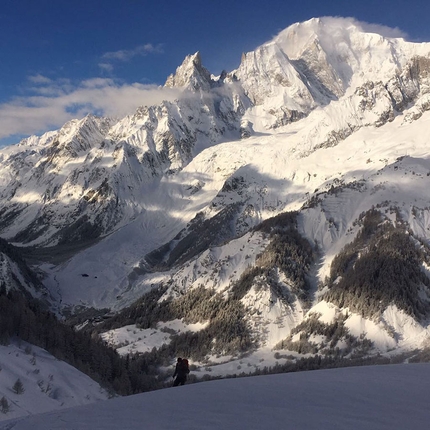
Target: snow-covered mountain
[284,204]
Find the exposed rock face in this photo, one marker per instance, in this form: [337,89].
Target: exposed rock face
[191,74]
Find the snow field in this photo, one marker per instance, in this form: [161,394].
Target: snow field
[372,397]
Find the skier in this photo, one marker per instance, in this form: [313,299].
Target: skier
[181,372]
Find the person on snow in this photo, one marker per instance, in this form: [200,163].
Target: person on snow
[181,372]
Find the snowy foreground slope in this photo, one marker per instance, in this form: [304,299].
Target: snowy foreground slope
[48,383]
[364,398]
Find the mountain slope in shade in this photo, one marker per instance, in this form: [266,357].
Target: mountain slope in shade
[382,397]
[48,384]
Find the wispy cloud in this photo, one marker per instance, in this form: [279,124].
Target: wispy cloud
[106,67]
[39,79]
[383,30]
[367,27]
[128,54]
[51,103]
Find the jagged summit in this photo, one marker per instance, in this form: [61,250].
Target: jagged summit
[191,75]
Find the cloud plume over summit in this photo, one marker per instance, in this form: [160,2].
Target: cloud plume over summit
[49,104]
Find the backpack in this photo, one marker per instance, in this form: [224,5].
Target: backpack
[184,365]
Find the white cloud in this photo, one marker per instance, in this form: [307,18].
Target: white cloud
[56,102]
[128,54]
[125,55]
[106,67]
[383,30]
[39,79]
[367,27]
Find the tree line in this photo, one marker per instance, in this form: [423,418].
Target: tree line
[28,320]
[226,331]
[333,333]
[382,266]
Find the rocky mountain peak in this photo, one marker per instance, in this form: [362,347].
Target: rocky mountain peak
[343,51]
[81,135]
[191,74]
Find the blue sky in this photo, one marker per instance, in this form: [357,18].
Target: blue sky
[64,58]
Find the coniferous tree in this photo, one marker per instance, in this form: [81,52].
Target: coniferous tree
[18,387]
[4,405]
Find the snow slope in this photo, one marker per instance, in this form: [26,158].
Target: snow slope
[279,178]
[364,398]
[49,384]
